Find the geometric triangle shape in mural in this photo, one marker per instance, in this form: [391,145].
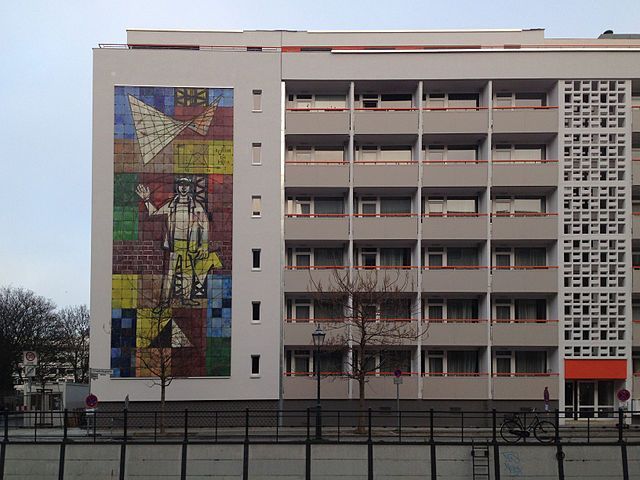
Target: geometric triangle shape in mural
[155,130]
[178,338]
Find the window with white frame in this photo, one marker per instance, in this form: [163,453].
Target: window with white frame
[534,309]
[519,362]
[300,309]
[450,362]
[392,360]
[306,154]
[450,205]
[320,101]
[256,206]
[257,100]
[518,153]
[436,257]
[506,257]
[304,257]
[383,100]
[384,205]
[453,153]
[384,257]
[452,309]
[320,206]
[298,362]
[519,99]
[451,100]
[256,153]
[383,154]
[255,365]
[515,205]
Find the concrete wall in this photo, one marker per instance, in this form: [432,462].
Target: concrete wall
[327,461]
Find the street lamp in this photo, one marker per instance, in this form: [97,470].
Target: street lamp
[318,340]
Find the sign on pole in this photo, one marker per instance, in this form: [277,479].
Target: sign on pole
[29,358]
[91,401]
[624,395]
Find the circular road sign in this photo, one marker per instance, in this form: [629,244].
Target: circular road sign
[30,356]
[624,395]
[397,373]
[91,401]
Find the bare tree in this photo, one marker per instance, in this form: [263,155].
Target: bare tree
[27,322]
[376,320]
[74,324]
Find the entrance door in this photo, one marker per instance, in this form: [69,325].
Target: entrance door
[586,399]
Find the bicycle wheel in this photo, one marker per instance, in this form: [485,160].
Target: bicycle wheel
[545,432]
[511,431]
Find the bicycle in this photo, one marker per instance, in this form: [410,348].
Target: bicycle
[513,430]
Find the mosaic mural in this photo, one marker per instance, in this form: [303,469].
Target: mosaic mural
[172,229]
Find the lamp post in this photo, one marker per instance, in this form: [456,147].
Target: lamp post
[318,340]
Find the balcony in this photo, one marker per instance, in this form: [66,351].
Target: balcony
[635,119]
[525,226]
[525,386]
[635,172]
[399,226]
[635,225]
[452,173]
[312,175]
[306,121]
[305,279]
[453,332]
[374,121]
[298,332]
[525,119]
[524,333]
[316,227]
[533,173]
[462,226]
[455,120]
[469,387]
[525,279]
[454,279]
[383,387]
[387,174]
[303,387]
[389,278]
[636,279]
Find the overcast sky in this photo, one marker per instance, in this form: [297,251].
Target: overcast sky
[45,95]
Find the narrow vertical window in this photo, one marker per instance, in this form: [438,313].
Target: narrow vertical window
[257,100]
[256,206]
[255,364]
[255,259]
[255,311]
[256,154]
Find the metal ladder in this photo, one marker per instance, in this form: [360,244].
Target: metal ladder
[480,457]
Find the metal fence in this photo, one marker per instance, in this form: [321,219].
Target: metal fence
[335,426]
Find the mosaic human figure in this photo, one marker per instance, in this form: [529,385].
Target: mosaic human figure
[187,240]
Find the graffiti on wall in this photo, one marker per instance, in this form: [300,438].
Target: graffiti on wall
[172,229]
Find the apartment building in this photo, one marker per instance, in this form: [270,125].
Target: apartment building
[493,172]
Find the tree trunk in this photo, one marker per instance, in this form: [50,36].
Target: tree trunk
[361,404]
[163,387]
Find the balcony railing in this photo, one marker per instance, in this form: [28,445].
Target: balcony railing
[454,320]
[522,320]
[383,215]
[315,267]
[525,374]
[454,214]
[454,162]
[453,109]
[316,162]
[455,374]
[315,215]
[384,267]
[453,267]
[515,161]
[528,107]
[524,214]
[523,267]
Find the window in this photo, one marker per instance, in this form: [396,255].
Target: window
[519,153]
[464,361]
[369,257]
[257,100]
[369,206]
[330,362]
[399,309]
[385,100]
[518,205]
[299,309]
[255,365]
[450,257]
[384,154]
[442,153]
[386,257]
[328,257]
[299,362]
[503,310]
[435,309]
[315,206]
[302,154]
[503,362]
[256,154]
[521,309]
[451,100]
[454,309]
[395,360]
[450,205]
[520,99]
[256,206]
[328,101]
[435,362]
[505,257]
[255,312]
[385,205]
[255,256]
[531,362]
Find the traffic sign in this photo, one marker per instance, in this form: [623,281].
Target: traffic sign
[91,401]
[29,358]
[397,373]
[624,395]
